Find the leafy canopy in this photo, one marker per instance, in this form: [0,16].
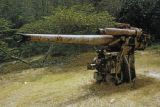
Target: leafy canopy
[4,24]
[79,19]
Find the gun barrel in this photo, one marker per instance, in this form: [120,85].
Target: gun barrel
[71,39]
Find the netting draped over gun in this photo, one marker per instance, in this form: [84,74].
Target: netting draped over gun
[115,60]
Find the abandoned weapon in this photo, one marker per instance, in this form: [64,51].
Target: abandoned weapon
[115,60]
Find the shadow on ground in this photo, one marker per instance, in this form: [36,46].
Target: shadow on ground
[108,89]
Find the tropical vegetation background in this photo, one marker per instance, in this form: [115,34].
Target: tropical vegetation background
[69,17]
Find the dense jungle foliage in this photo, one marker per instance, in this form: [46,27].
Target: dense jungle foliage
[69,17]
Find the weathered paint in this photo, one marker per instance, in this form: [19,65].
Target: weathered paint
[120,32]
[72,39]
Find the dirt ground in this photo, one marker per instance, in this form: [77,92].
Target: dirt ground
[71,85]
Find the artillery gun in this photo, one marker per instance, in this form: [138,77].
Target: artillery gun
[115,60]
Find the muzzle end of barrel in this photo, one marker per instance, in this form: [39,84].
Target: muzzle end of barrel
[21,38]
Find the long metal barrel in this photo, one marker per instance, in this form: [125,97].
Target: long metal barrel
[72,39]
[120,32]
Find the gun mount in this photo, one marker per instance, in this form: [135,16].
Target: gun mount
[115,60]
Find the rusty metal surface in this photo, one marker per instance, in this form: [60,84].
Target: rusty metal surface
[72,39]
[120,32]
